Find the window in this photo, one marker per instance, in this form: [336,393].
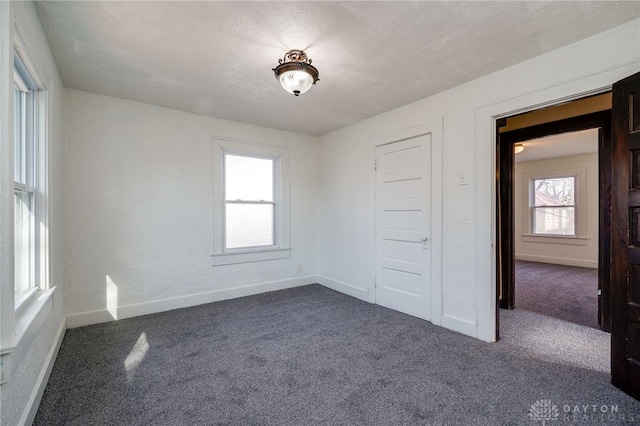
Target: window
[27,296]
[251,201]
[26,240]
[554,206]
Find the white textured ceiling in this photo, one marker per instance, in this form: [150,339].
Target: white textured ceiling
[215,58]
[561,145]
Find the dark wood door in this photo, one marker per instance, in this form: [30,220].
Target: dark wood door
[625,260]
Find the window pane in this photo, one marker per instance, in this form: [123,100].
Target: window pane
[554,192]
[249,225]
[18,137]
[554,220]
[248,178]
[23,240]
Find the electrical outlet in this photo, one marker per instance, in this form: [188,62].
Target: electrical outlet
[300,268]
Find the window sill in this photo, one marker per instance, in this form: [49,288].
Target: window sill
[246,256]
[29,320]
[555,239]
[25,300]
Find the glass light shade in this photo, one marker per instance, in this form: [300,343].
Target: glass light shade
[518,148]
[296,81]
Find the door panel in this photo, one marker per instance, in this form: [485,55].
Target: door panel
[403,221]
[402,281]
[625,259]
[402,190]
[403,253]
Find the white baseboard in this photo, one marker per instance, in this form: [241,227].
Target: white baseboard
[452,323]
[342,287]
[558,260]
[129,311]
[41,382]
[459,325]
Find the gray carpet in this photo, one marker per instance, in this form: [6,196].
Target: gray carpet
[565,292]
[555,340]
[305,356]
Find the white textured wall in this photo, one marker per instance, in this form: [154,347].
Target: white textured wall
[140,208]
[561,254]
[16,396]
[468,284]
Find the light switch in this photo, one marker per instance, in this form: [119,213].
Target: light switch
[463,179]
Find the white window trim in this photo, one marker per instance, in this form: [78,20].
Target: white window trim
[281,249]
[21,319]
[580,238]
[555,239]
[33,171]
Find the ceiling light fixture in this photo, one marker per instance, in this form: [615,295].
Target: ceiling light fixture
[518,148]
[295,72]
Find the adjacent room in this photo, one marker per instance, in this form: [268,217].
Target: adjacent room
[287,212]
[556,204]
[557,274]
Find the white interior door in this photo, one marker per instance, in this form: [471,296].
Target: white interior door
[403,226]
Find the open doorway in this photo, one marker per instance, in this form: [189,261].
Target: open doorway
[553,260]
[556,226]
[573,143]
[619,207]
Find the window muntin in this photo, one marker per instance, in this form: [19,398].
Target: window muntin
[250,206]
[25,194]
[554,206]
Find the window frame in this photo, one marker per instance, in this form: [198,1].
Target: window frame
[274,203]
[280,250]
[28,181]
[535,206]
[21,318]
[580,210]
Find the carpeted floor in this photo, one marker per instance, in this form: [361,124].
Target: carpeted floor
[307,356]
[565,292]
[544,337]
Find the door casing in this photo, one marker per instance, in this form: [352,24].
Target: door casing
[435,128]
[505,247]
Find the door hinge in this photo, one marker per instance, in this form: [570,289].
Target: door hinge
[375,164]
[375,283]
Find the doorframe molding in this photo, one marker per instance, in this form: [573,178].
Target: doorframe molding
[486,117]
[600,120]
[436,129]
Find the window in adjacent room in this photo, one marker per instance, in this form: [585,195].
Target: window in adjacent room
[251,203]
[554,206]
